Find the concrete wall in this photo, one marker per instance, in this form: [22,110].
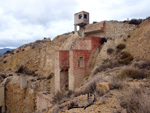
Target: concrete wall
[57,72]
[78,21]
[117,30]
[71,70]
[44,100]
[2,99]
[108,29]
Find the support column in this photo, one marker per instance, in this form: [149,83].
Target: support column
[75,28]
[57,72]
[2,98]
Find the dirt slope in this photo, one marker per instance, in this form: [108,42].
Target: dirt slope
[139,42]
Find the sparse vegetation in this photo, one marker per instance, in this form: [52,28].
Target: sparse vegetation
[58,97]
[125,58]
[116,83]
[94,22]
[121,46]
[132,73]
[135,21]
[110,51]
[73,104]
[135,100]
[103,67]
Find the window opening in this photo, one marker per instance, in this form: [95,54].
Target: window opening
[81,62]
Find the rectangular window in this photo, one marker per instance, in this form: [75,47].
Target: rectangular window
[81,61]
[85,16]
[80,16]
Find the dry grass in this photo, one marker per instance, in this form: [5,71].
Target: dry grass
[116,83]
[59,96]
[107,65]
[125,58]
[135,100]
[121,46]
[132,73]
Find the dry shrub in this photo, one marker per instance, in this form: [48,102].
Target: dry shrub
[72,105]
[132,73]
[135,100]
[91,87]
[142,65]
[110,51]
[125,58]
[103,67]
[59,96]
[121,46]
[116,83]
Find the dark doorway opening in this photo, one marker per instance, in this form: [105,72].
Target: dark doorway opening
[0,109]
[64,80]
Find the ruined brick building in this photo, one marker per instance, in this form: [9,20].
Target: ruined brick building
[71,65]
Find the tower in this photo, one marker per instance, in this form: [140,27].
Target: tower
[81,19]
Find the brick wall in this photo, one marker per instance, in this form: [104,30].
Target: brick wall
[77,58]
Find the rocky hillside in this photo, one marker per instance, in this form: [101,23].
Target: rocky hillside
[120,68]
[138,42]
[36,58]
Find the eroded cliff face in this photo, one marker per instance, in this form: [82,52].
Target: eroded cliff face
[138,44]
[34,58]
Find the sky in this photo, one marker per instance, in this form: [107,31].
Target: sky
[25,21]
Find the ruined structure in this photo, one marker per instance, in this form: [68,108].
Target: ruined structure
[81,19]
[71,65]
[2,99]
[43,100]
[73,59]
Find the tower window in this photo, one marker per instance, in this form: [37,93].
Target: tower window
[85,16]
[81,61]
[80,16]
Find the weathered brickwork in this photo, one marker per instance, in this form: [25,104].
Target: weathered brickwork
[71,66]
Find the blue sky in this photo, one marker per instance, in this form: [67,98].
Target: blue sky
[24,21]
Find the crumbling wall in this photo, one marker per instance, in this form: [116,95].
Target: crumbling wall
[44,100]
[115,33]
[2,99]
